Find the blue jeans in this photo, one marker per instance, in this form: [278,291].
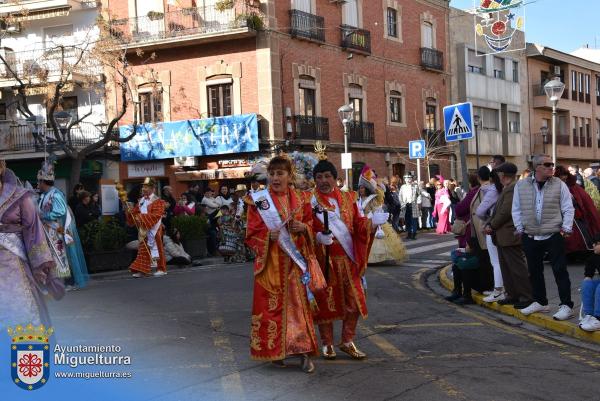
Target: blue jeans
[590,297]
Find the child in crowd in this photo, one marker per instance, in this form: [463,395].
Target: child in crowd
[464,269]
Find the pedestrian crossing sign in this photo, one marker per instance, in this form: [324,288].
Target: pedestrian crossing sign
[458,121]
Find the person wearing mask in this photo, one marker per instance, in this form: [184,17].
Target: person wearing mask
[587,219]
[224,197]
[85,212]
[410,202]
[186,205]
[574,169]
[543,214]
[510,253]
[490,190]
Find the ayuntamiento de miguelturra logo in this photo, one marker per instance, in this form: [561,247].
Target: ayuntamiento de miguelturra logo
[30,355]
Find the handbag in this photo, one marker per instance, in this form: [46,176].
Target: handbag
[459,227]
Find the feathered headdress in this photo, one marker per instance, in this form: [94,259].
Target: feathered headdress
[258,171]
[367,179]
[47,171]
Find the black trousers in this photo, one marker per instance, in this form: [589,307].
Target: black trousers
[464,281]
[534,252]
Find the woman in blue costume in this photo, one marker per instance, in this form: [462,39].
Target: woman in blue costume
[60,229]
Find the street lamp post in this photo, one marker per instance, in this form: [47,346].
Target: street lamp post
[554,90]
[345,112]
[544,132]
[477,122]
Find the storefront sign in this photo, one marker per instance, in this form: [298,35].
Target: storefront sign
[136,170]
[205,137]
[207,175]
[234,163]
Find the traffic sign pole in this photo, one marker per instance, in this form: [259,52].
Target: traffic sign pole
[463,166]
[418,171]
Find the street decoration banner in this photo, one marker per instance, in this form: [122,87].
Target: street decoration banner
[496,24]
[186,138]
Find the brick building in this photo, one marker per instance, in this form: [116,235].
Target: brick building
[293,64]
[578,111]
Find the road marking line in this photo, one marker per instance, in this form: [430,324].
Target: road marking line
[391,350]
[231,383]
[472,355]
[581,359]
[429,248]
[424,325]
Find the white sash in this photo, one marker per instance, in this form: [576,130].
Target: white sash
[363,205]
[338,227]
[270,216]
[13,243]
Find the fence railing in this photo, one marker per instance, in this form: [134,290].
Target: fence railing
[538,90]
[182,22]
[31,138]
[45,64]
[309,127]
[308,26]
[432,59]
[361,132]
[356,39]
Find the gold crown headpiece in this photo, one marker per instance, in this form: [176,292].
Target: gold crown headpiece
[320,149]
[30,333]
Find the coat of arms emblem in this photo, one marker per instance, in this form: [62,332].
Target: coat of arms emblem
[262,203]
[30,355]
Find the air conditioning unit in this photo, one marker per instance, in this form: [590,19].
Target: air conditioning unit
[184,161]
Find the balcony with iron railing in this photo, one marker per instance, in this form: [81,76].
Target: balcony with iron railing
[356,39]
[30,137]
[46,66]
[307,26]
[361,132]
[311,127]
[194,24]
[432,59]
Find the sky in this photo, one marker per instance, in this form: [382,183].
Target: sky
[575,21]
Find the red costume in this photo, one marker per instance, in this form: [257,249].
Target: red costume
[584,210]
[345,297]
[282,322]
[146,216]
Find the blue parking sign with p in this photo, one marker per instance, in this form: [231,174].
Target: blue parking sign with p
[416,149]
[458,121]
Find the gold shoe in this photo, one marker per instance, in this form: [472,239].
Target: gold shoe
[329,352]
[307,365]
[351,350]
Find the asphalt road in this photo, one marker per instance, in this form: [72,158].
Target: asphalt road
[188,335]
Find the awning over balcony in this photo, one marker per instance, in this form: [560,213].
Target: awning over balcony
[42,14]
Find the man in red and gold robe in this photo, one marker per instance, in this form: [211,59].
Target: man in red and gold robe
[347,246]
[282,323]
[147,215]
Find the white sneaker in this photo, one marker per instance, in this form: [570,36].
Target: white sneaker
[584,320]
[486,293]
[564,313]
[159,273]
[535,307]
[495,296]
[137,275]
[592,324]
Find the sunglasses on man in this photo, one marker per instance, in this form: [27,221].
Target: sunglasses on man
[547,164]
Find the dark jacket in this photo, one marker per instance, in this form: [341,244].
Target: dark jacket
[502,222]
[84,214]
[463,212]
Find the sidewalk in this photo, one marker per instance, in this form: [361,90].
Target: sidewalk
[209,261]
[545,320]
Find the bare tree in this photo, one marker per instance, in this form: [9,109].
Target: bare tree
[89,65]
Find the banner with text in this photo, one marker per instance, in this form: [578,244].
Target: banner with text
[205,137]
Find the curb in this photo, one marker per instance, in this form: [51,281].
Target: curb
[538,319]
